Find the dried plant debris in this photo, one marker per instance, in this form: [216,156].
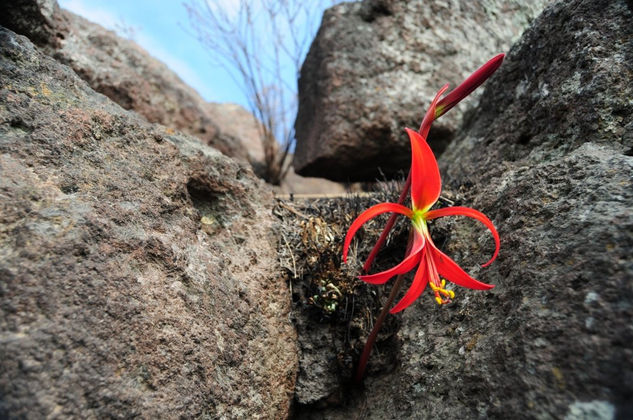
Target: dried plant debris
[333,310]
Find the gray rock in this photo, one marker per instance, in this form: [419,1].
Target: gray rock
[121,70]
[138,269]
[40,20]
[591,410]
[548,156]
[237,122]
[373,68]
[128,75]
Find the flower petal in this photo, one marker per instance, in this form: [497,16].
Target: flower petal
[370,213]
[425,175]
[429,117]
[467,86]
[412,259]
[392,221]
[418,285]
[452,272]
[466,211]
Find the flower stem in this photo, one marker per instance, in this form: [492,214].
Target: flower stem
[369,344]
[362,363]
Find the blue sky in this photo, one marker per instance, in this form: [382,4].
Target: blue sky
[159,27]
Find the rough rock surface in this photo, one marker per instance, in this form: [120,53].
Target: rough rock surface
[297,184]
[41,20]
[237,122]
[138,268]
[548,156]
[128,75]
[332,309]
[119,69]
[372,69]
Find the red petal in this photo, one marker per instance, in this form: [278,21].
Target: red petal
[388,227]
[425,175]
[467,86]
[418,285]
[465,211]
[452,272]
[370,213]
[429,117]
[412,259]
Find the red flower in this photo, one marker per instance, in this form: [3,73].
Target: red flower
[464,89]
[433,264]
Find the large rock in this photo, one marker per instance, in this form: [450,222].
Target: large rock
[549,157]
[237,122]
[297,184]
[373,68]
[119,69]
[128,75]
[138,271]
[41,20]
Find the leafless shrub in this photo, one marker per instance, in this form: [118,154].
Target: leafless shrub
[261,43]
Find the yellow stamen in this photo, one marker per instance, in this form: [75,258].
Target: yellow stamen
[440,290]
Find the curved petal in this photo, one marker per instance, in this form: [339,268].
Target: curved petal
[370,213]
[429,117]
[387,228]
[412,259]
[425,175]
[477,215]
[467,86]
[452,272]
[418,285]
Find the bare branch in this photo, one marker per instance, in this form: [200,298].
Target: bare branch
[262,44]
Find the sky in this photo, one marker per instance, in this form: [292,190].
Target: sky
[159,26]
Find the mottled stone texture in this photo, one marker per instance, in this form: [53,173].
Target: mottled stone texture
[121,70]
[138,272]
[548,156]
[373,68]
[41,20]
[128,75]
[237,122]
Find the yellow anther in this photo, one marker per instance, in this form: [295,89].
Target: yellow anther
[440,290]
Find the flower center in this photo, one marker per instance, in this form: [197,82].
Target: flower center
[438,285]
[417,219]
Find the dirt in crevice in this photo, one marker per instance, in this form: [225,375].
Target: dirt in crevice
[332,310]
